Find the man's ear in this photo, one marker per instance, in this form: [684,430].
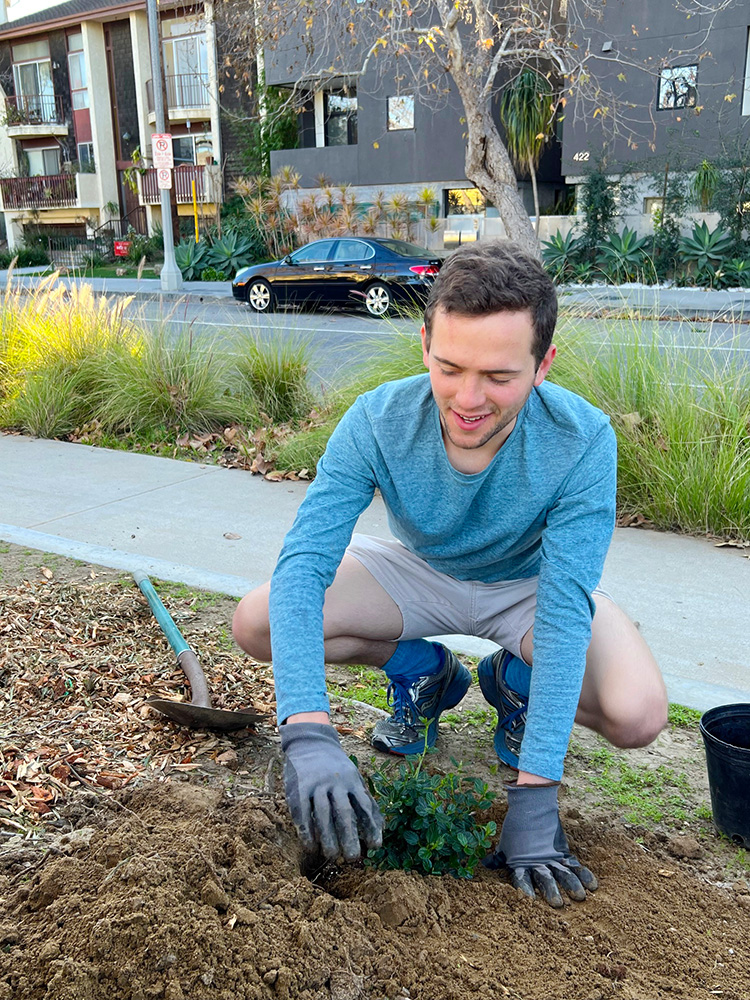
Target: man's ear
[425,352]
[544,365]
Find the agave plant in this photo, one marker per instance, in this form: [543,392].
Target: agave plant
[191,258]
[706,249]
[622,256]
[737,272]
[230,253]
[560,255]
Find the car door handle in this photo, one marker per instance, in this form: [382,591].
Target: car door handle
[365,267]
[318,269]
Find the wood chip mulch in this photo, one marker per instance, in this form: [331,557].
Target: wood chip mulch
[77,663]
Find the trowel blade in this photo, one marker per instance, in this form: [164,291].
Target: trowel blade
[196,717]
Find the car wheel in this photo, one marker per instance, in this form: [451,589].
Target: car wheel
[378,299]
[260,296]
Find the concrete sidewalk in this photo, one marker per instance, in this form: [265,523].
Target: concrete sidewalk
[146,288]
[178,521]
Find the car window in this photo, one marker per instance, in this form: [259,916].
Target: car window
[406,249]
[313,252]
[352,250]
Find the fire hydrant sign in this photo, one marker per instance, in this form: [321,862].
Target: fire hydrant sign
[161,150]
[164,178]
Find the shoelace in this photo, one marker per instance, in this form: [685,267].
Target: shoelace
[403,709]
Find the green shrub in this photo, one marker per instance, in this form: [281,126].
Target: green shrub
[430,820]
[175,384]
[211,274]
[31,257]
[706,250]
[49,402]
[276,375]
[230,252]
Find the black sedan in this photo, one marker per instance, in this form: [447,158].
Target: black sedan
[376,273]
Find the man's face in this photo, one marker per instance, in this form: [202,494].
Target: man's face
[482,372]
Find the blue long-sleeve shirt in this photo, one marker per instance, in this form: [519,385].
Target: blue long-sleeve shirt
[544,505]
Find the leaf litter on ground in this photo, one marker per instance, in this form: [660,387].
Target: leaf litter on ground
[77,664]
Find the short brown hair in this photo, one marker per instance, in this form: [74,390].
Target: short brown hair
[495,276]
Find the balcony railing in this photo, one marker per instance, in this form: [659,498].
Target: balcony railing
[182,178]
[184,90]
[34,109]
[54,191]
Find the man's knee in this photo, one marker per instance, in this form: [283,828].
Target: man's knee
[250,626]
[640,726]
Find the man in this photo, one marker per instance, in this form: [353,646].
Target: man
[500,491]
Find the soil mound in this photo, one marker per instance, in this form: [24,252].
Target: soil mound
[175,890]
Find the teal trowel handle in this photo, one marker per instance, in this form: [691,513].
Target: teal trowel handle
[173,634]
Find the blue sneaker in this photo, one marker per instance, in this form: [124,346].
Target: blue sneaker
[424,698]
[511,706]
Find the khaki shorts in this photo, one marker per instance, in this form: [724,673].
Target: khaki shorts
[432,603]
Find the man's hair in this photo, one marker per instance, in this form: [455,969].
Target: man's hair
[495,276]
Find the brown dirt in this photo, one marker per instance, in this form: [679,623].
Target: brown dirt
[191,885]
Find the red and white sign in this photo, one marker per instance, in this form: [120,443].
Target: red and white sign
[161,150]
[164,179]
[121,248]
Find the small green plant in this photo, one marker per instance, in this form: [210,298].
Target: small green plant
[276,374]
[705,184]
[430,820]
[211,274]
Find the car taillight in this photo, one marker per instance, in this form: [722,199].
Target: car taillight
[424,270]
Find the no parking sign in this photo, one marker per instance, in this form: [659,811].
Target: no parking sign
[164,178]
[161,151]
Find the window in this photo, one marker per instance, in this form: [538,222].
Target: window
[678,87]
[32,73]
[186,62]
[192,149]
[43,162]
[352,250]
[464,201]
[340,118]
[314,253]
[86,157]
[400,112]
[77,70]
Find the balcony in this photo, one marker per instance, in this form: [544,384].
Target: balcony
[45,192]
[207,185]
[35,114]
[186,92]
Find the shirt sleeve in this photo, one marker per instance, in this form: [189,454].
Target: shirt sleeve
[575,540]
[312,552]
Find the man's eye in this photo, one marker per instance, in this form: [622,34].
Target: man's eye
[444,371]
[499,381]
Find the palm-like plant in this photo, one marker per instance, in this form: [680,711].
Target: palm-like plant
[526,109]
[623,256]
[705,184]
[561,254]
[191,258]
[706,249]
[230,253]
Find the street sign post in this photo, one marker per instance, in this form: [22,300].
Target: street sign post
[164,178]
[161,150]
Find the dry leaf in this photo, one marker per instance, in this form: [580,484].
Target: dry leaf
[666,872]
[46,572]
[231,536]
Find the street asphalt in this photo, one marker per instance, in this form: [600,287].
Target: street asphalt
[222,529]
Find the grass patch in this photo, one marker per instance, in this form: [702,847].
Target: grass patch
[275,373]
[369,687]
[646,794]
[195,599]
[683,717]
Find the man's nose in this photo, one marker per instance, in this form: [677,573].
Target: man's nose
[470,395]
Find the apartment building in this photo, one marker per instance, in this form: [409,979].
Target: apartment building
[77,114]
[681,87]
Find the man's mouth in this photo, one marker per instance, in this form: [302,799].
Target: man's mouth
[469,422]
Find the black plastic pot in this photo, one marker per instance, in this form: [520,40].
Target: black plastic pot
[726,734]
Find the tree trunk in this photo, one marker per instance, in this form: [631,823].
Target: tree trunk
[488,166]
[535,189]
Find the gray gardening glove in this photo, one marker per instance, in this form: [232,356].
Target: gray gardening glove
[534,848]
[327,798]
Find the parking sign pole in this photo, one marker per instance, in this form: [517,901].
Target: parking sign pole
[171,277]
